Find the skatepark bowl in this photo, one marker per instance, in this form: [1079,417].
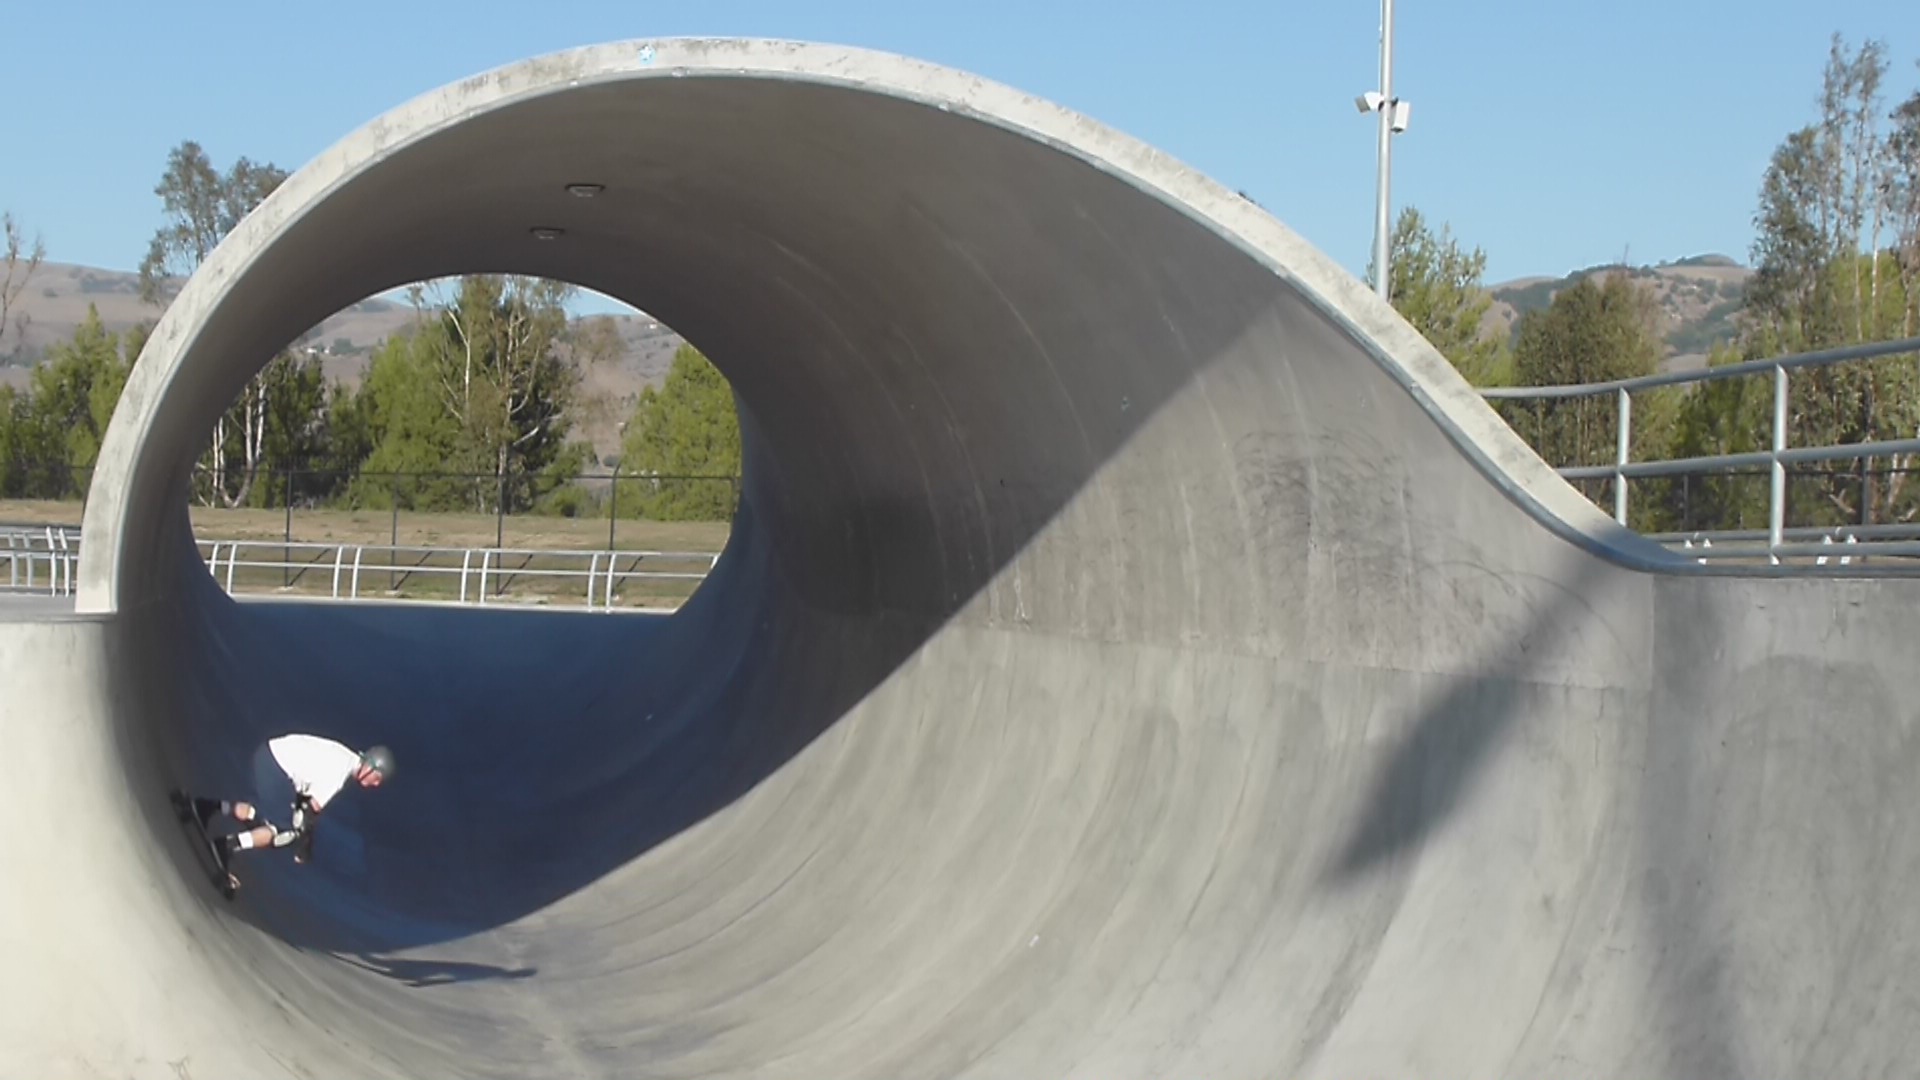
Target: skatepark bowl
[1138,654]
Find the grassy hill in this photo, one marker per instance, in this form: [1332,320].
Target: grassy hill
[56,300]
[1699,301]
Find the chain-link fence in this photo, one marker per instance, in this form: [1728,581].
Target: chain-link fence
[52,481]
[610,539]
[593,511]
[613,511]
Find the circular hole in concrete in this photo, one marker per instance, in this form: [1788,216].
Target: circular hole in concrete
[482,440]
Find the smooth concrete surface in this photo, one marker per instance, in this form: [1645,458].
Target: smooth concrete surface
[1138,655]
[27,605]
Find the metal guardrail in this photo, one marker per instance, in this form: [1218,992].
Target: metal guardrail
[43,559]
[59,555]
[40,558]
[481,572]
[1778,457]
[1838,545]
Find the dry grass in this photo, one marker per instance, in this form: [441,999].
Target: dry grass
[412,529]
[408,575]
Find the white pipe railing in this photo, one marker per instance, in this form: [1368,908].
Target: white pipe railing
[1777,457]
[40,559]
[482,573]
[44,560]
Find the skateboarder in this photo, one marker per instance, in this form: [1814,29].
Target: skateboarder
[295,777]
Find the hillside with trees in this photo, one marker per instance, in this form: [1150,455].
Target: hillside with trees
[469,401]
[1696,302]
[1836,261]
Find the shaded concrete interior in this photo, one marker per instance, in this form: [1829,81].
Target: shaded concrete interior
[1114,672]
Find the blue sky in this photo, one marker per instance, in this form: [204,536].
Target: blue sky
[1554,135]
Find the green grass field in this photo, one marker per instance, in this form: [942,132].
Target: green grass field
[413,576]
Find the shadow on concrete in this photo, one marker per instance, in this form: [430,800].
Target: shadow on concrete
[541,750]
[1456,738]
[422,974]
[1699,1001]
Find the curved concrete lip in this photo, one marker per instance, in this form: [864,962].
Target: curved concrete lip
[167,402]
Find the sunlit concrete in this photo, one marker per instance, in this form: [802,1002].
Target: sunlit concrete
[1138,655]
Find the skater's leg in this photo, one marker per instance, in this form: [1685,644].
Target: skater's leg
[258,837]
[209,808]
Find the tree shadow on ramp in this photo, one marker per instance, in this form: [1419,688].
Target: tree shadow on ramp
[1453,741]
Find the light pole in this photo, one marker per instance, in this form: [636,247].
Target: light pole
[1393,119]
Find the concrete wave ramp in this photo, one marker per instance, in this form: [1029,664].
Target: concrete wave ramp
[1137,655]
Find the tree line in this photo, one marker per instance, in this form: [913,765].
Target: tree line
[1836,260]
[472,406]
[476,401]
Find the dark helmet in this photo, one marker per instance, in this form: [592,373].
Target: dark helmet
[379,759]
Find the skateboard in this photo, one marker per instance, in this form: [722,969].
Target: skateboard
[213,861]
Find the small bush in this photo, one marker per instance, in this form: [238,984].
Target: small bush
[570,501]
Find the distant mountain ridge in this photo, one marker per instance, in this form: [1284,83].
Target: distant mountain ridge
[1699,299]
[58,295]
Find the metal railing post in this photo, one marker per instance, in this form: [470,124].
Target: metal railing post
[286,539]
[500,517]
[1623,451]
[1777,503]
[613,508]
[393,576]
[483,578]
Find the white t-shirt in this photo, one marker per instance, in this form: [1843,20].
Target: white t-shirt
[318,767]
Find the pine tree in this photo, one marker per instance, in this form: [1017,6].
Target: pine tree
[1437,287]
[688,428]
[51,434]
[1597,330]
[479,388]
